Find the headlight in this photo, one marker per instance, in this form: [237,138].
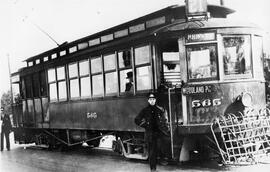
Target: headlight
[246,99]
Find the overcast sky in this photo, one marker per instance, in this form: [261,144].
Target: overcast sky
[67,20]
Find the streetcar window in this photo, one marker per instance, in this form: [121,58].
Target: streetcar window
[62,88]
[74,88]
[84,68]
[23,89]
[126,81]
[52,84]
[16,93]
[97,81]
[73,70]
[111,82]
[60,73]
[51,75]
[258,56]
[85,79]
[237,55]
[126,74]
[28,85]
[45,59]
[30,63]
[37,61]
[202,61]
[36,86]
[43,84]
[96,65]
[143,78]
[54,56]
[53,92]
[109,62]
[74,81]
[110,74]
[124,59]
[143,69]
[85,87]
[142,55]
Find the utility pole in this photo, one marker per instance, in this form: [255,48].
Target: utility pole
[222,2]
[10,80]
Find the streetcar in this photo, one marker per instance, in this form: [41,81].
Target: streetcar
[201,64]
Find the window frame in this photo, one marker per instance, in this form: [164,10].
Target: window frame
[56,82]
[62,80]
[192,45]
[85,76]
[120,69]
[136,66]
[30,92]
[52,82]
[36,86]
[73,78]
[97,74]
[238,76]
[111,71]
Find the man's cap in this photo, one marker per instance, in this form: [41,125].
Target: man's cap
[129,75]
[151,95]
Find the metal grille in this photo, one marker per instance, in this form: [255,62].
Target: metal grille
[245,139]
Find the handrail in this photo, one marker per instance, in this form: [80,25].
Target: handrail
[170,114]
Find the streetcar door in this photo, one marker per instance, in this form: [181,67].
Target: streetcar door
[170,83]
[170,64]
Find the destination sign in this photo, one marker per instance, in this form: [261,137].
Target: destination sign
[200,37]
[198,89]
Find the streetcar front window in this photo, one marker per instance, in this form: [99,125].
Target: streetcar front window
[202,62]
[237,55]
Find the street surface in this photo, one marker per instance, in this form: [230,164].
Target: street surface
[29,158]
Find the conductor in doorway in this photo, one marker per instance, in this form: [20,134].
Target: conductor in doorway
[5,130]
[153,120]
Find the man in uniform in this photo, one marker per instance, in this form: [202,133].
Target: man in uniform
[5,130]
[153,120]
[129,84]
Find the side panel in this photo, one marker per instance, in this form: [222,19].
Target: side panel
[30,113]
[204,107]
[45,107]
[114,114]
[38,112]
[17,114]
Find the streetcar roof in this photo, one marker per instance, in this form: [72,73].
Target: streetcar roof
[169,14]
[182,25]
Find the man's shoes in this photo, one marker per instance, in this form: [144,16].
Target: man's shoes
[8,149]
[163,161]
